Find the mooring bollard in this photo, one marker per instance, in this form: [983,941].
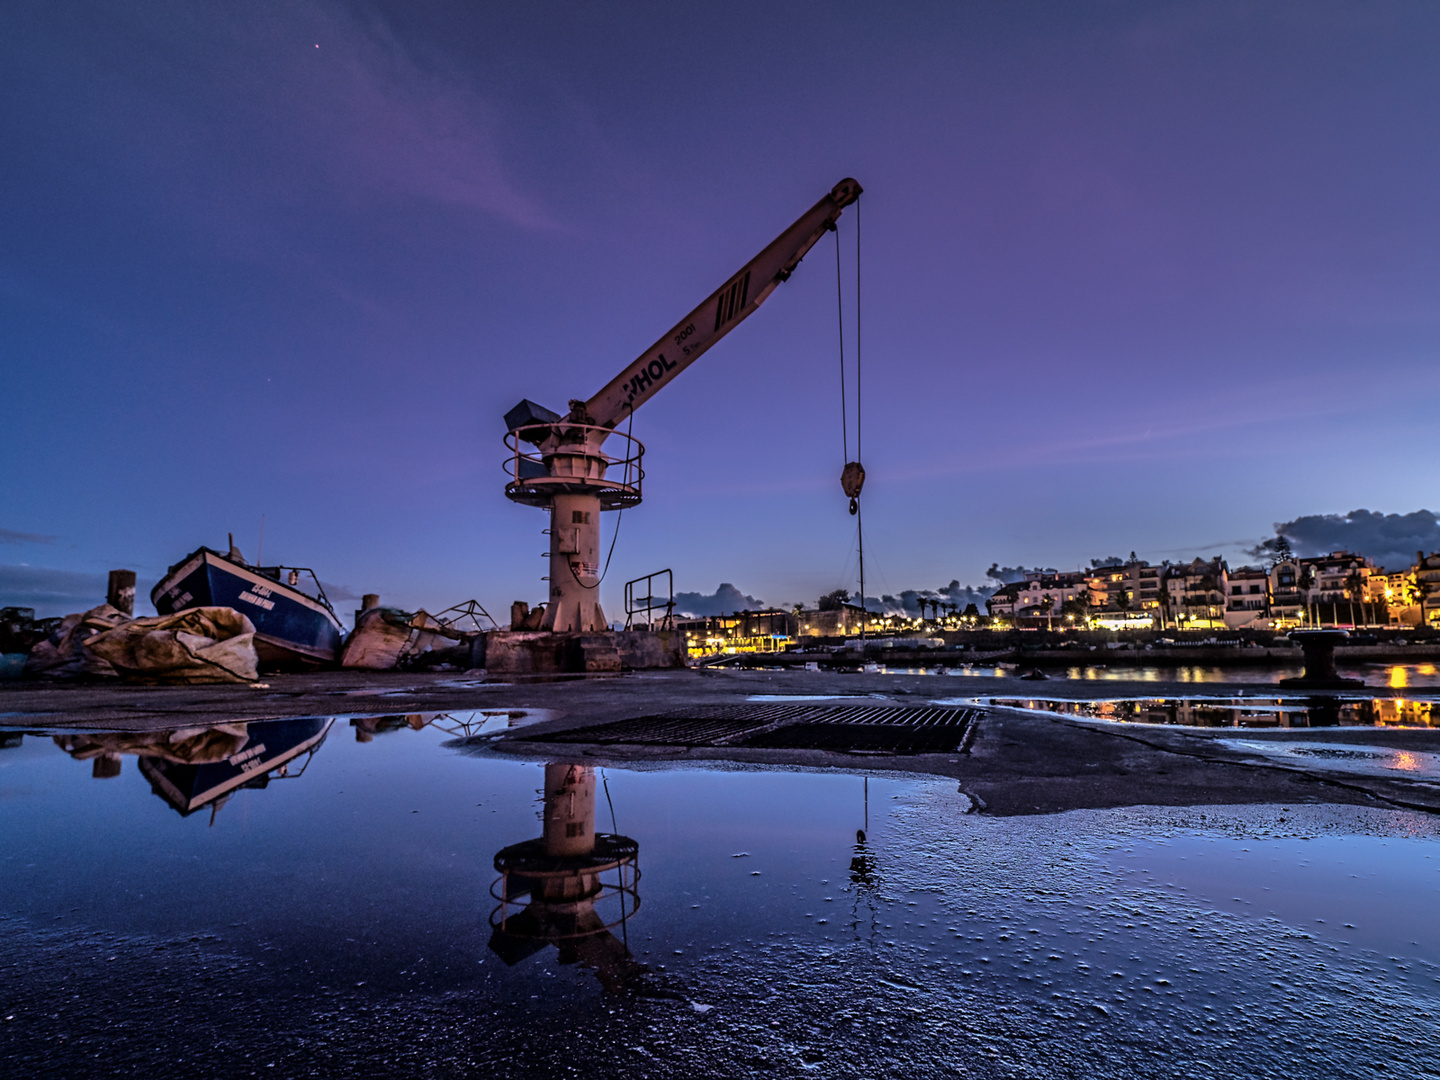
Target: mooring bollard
[121,592]
[1319,646]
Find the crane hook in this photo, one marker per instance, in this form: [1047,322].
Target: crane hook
[852,479]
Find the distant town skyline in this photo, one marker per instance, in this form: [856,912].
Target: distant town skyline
[1141,276]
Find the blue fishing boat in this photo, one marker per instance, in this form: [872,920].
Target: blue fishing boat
[292,627]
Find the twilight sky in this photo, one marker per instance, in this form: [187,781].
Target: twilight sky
[1142,276]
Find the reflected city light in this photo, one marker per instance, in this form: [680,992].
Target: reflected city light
[1242,712]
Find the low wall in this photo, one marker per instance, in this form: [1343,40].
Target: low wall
[536,652]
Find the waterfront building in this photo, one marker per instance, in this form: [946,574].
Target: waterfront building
[743,632]
[1394,593]
[1335,586]
[1134,586]
[1043,595]
[1425,588]
[1196,592]
[1287,593]
[1002,602]
[1247,600]
[843,621]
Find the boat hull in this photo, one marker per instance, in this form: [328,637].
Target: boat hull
[291,628]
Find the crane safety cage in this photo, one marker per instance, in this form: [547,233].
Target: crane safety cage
[526,869]
[574,467]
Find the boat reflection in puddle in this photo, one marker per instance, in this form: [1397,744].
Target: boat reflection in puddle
[571,887]
[191,768]
[1242,712]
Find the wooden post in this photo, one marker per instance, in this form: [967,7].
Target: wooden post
[121,593]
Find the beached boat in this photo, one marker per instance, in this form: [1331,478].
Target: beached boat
[292,627]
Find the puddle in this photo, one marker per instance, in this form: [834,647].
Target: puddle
[1234,712]
[407,903]
[1349,758]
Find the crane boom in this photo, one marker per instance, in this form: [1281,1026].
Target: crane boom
[570,473]
[719,314]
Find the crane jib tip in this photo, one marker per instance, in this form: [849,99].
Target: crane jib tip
[846,191]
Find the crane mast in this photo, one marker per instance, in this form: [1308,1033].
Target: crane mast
[568,470]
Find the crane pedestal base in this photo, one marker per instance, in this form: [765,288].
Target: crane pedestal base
[539,652]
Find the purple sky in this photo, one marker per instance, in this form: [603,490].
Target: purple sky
[1138,277]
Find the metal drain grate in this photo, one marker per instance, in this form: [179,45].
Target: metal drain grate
[845,728]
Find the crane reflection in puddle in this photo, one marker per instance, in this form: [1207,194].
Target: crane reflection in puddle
[191,768]
[864,874]
[572,888]
[458,725]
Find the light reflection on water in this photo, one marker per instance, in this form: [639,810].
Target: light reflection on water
[1420,676]
[1241,712]
[1399,676]
[810,912]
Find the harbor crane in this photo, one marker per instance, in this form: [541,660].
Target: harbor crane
[560,462]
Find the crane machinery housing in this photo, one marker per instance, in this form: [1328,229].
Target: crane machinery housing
[560,462]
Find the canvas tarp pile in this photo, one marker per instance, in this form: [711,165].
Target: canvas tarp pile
[200,645]
[63,654]
[386,638]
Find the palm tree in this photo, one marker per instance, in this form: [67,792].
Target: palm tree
[1049,602]
[1354,583]
[1304,581]
[1208,585]
[1421,590]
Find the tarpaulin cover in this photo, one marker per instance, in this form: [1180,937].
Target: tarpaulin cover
[198,645]
[386,638]
[63,654]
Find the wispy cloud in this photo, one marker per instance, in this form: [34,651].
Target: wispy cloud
[254,118]
[10,536]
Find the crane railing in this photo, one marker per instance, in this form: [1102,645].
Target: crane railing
[573,465]
[645,605]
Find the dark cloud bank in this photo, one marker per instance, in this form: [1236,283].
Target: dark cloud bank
[1390,540]
[725,600]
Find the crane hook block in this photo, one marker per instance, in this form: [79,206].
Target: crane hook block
[852,479]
